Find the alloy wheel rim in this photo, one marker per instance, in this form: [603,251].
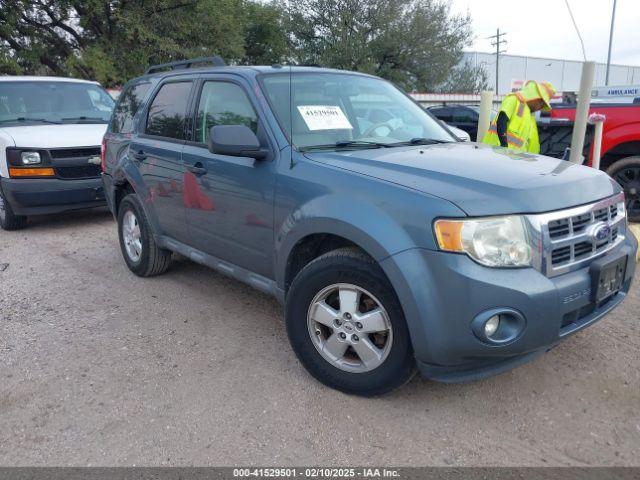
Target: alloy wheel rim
[629,179]
[131,236]
[350,328]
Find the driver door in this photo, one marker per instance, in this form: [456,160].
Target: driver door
[229,200]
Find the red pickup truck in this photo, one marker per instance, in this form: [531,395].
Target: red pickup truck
[620,156]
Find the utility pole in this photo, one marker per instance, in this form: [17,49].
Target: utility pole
[613,18]
[497,43]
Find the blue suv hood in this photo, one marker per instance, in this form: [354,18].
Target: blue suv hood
[480,179]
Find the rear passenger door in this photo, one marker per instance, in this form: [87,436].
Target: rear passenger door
[157,152]
[229,200]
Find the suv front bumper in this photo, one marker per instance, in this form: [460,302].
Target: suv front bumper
[51,195]
[442,293]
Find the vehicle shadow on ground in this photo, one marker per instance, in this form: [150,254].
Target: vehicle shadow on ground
[72,219]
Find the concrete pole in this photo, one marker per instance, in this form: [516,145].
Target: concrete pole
[484,117]
[582,112]
[597,120]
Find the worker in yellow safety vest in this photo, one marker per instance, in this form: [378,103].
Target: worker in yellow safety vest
[515,125]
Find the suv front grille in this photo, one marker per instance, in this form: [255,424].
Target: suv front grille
[571,239]
[569,236]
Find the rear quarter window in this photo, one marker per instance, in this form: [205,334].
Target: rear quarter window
[128,104]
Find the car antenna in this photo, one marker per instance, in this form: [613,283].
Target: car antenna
[290,60]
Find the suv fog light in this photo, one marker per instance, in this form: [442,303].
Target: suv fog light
[30,158]
[498,326]
[491,326]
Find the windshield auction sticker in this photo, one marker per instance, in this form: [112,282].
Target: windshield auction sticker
[324,117]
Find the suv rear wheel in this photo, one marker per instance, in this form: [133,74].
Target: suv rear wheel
[627,173]
[9,221]
[346,325]
[139,249]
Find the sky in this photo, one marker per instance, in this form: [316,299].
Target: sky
[543,28]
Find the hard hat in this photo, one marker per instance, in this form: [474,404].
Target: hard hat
[543,90]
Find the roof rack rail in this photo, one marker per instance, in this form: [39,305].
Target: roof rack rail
[216,61]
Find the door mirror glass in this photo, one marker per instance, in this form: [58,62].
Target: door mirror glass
[235,140]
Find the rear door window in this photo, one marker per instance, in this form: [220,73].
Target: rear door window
[443,113]
[464,115]
[128,104]
[166,117]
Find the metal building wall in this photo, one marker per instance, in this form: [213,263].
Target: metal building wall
[564,74]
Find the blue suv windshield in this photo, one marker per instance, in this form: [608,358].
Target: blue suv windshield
[334,110]
[42,102]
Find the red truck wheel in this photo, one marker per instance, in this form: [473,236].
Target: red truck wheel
[627,173]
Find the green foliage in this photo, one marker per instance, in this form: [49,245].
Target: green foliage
[465,78]
[414,43]
[265,35]
[112,41]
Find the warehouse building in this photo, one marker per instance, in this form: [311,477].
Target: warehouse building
[564,74]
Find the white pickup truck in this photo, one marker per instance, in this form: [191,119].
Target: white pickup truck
[51,131]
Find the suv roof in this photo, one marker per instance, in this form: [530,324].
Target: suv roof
[186,67]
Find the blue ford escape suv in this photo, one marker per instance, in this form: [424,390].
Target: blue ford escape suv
[391,244]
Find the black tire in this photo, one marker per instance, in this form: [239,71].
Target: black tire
[153,260]
[9,221]
[627,173]
[349,266]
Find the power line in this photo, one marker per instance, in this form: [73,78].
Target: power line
[498,41]
[584,52]
[613,19]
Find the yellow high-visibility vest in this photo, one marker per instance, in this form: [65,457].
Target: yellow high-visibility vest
[522,131]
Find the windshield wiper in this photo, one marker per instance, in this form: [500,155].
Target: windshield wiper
[423,141]
[357,143]
[85,119]
[347,144]
[27,119]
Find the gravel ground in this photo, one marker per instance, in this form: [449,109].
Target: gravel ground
[100,367]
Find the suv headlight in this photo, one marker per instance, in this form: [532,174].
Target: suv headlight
[622,210]
[491,241]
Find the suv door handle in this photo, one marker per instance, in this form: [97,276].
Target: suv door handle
[140,155]
[197,169]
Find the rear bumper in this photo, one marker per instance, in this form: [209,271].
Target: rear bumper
[442,294]
[51,195]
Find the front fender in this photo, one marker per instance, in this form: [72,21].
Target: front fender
[366,225]
[629,132]
[380,228]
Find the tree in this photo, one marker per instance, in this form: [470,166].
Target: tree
[414,43]
[112,41]
[265,40]
[465,78]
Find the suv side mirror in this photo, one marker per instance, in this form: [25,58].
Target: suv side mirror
[236,141]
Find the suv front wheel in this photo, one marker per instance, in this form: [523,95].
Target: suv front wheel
[346,325]
[139,249]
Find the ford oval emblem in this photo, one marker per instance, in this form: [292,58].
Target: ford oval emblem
[601,232]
